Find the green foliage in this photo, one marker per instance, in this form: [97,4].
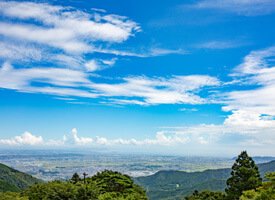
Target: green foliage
[173,185]
[206,195]
[103,186]
[264,192]
[54,190]
[6,186]
[12,196]
[117,185]
[13,180]
[244,176]
[75,178]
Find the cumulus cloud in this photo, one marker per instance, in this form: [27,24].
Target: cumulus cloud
[252,111]
[161,139]
[258,70]
[74,139]
[80,140]
[25,139]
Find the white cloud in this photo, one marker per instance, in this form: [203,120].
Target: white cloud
[188,109]
[61,36]
[219,44]
[12,51]
[25,139]
[139,90]
[80,140]
[256,63]
[99,64]
[240,7]
[64,38]
[259,71]
[142,53]
[215,135]
[161,139]
[177,89]
[252,110]
[56,76]
[58,81]
[197,137]
[63,27]
[92,65]
[162,51]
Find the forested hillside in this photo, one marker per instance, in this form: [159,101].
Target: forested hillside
[106,185]
[172,185]
[13,180]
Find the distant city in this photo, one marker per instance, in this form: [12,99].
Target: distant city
[60,165]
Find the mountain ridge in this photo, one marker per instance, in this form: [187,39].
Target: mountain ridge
[174,184]
[13,180]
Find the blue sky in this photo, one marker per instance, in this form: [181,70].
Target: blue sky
[185,77]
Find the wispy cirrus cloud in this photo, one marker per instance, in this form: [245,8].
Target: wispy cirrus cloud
[240,7]
[65,35]
[219,44]
[23,52]
[60,36]
[139,90]
[174,90]
[63,27]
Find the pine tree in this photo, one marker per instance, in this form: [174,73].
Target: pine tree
[244,176]
[75,178]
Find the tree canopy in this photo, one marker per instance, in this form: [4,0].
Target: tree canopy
[264,192]
[103,186]
[206,195]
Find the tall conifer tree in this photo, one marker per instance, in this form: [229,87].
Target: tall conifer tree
[244,176]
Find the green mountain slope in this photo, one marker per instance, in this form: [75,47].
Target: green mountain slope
[13,180]
[168,185]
